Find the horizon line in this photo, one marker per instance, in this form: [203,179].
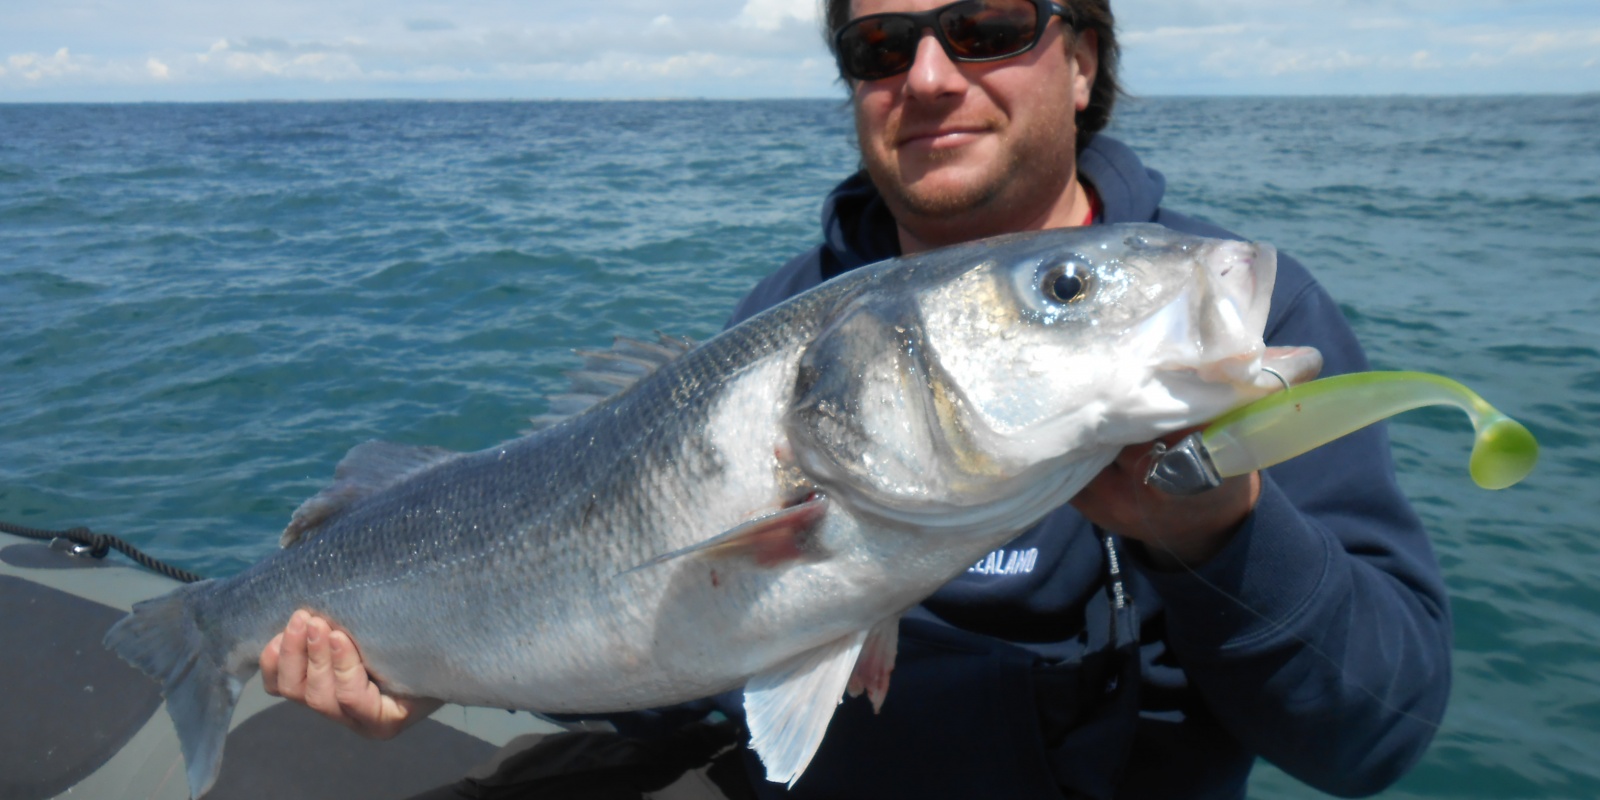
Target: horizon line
[805,98]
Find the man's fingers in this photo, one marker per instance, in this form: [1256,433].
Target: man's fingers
[346,662]
[352,687]
[269,665]
[291,681]
[370,712]
[320,694]
[314,664]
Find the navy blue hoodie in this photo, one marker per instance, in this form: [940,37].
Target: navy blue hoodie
[1319,638]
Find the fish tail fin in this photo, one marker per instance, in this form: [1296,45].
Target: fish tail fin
[162,638]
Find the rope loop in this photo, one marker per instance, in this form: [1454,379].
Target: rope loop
[99,545]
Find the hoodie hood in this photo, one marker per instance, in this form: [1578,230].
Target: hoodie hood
[1129,191]
[857,228]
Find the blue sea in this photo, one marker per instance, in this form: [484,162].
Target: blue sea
[203,306]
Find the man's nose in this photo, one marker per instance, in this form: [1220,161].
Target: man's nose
[933,73]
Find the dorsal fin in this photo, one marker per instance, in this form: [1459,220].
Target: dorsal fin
[368,468]
[607,372]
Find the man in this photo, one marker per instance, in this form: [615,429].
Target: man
[1296,615]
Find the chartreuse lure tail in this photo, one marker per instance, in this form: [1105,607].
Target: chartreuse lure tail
[1286,424]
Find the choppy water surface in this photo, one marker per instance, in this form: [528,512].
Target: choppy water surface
[203,307]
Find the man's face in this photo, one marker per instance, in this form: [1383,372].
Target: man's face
[969,149]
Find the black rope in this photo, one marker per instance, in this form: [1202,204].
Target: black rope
[99,544]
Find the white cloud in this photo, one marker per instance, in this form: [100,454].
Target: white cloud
[218,46]
[690,64]
[1194,35]
[1342,46]
[639,48]
[1587,42]
[35,68]
[1319,61]
[770,15]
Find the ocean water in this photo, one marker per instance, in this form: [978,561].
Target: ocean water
[203,306]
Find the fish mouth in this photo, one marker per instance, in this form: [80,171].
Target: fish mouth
[1242,274]
[1293,365]
[1226,314]
[1266,370]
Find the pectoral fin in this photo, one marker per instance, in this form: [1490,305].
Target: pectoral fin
[788,708]
[769,540]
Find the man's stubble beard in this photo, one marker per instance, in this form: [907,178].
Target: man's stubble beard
[994,201]
[943,202]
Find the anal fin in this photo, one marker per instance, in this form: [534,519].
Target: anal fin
[788,708]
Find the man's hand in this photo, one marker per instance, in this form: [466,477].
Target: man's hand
[313,664]
[1176,531]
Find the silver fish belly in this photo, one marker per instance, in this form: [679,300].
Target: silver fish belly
[757,511]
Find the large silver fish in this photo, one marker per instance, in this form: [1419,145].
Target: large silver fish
[757,511]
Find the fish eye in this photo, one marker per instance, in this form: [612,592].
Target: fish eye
[1066,283]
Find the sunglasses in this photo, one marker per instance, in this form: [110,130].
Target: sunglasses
[880,45]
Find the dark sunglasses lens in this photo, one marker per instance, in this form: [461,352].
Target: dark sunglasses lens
[990,28]
[877,47]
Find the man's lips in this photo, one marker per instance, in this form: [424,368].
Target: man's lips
[945,134]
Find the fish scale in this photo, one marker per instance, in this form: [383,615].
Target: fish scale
[757,511]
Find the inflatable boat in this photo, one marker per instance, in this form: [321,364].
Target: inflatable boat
[75,721]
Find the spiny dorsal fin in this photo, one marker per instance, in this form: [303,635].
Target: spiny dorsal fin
[368,468]
[607,372]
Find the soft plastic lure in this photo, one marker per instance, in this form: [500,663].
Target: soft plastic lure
[1284,425]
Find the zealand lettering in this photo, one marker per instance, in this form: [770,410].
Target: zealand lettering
[1007,562]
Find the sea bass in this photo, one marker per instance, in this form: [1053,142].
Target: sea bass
[757,511]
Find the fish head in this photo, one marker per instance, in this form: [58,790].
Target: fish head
[997,377]
[1110,335]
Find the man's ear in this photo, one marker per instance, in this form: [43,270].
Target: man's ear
[1085,52]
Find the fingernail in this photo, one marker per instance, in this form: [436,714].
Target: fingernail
[297,622]
[313,634]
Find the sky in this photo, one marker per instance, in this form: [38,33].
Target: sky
[200,50]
